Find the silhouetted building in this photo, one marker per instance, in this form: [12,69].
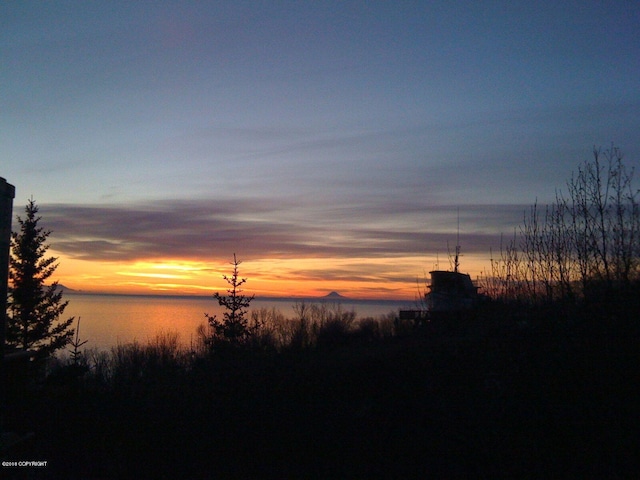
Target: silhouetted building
[451,292]
[7,194]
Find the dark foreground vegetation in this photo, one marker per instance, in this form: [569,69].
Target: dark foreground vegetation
[497,393]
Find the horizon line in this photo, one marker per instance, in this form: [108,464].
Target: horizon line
[257,297]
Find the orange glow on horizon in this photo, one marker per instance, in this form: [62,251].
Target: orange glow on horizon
[398,278]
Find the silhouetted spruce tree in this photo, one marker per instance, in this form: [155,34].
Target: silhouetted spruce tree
[34,308]
[234,327]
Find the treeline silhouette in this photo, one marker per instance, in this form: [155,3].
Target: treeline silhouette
[327,395]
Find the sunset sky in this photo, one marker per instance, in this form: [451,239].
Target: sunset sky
[330,145]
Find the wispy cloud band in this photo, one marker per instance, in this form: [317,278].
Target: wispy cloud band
[259,229]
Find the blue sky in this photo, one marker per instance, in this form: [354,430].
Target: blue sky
[289,130]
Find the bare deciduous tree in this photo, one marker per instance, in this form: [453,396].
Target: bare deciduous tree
[589,238]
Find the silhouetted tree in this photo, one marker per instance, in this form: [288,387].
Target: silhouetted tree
[34,308]
[234,327]
[606,216]
[76,343]
[589,238]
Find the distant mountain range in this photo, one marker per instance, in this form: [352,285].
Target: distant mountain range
[334,295]
[329,296]
[64,288]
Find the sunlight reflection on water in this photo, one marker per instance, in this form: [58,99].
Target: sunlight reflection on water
[107,320]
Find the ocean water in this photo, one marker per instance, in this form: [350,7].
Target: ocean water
[109,320]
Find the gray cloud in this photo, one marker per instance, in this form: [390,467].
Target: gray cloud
[263,229]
